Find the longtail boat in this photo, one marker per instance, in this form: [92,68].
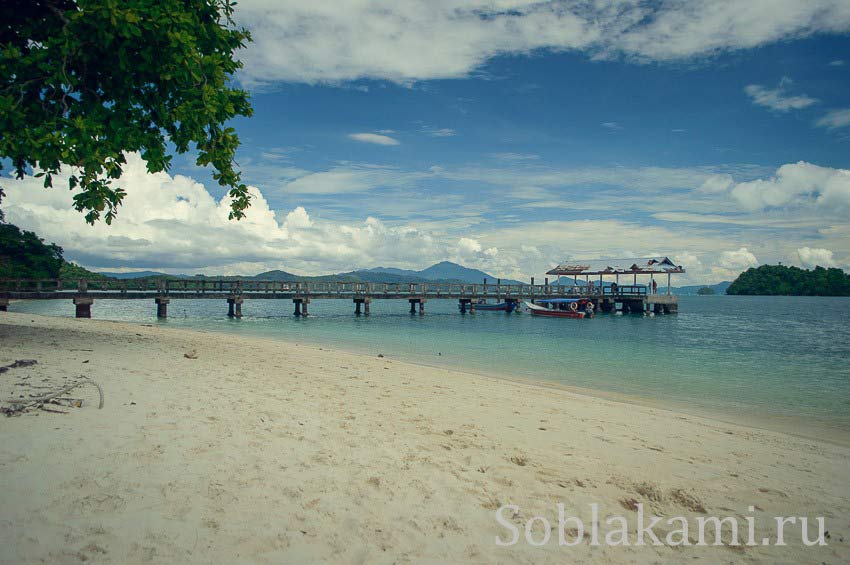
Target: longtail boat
[500,307]
[579,308]
[497,307]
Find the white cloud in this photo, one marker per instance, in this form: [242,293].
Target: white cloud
[515,156]
[776,99]
[349,179]
[467,245]
[613,126]
[815,257]
[728,265]
[421,40]
[740,259]
[438,132]
[173,223]
[835,119]
[837,63]
[716,184]
[469,251]
[798,184]
[376,138]
[648,179]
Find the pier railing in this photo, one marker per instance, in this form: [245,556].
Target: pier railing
[626,290]
[83,292]
[212,288]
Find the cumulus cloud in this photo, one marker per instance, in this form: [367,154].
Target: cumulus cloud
[740,259]
[470,252]
[174,223]
[797,184]
[728,265]
[716,184]
[815,257]
[376,138]
[435,39]
[835,119]
[777,99]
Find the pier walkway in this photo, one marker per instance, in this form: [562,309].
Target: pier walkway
[83,293]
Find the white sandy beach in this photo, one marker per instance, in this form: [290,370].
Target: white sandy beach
[262,451]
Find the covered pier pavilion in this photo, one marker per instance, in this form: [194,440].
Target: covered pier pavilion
[622,289]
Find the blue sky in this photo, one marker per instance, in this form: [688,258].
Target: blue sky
[510,135]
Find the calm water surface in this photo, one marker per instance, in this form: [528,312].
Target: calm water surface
[781,361]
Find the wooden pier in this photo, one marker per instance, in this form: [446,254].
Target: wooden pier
[83,293]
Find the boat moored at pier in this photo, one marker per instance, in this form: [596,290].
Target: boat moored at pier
[579,308]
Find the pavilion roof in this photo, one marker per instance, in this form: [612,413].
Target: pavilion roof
[639,265]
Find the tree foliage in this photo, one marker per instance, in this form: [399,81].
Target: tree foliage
[82,82]
[25,255]
[706,291]
[782,280]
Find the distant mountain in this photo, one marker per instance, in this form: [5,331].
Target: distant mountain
[719,288]
[570,281]
[72,271]
[447,270]
[276,275]
[442,272]
[140,275]
[380,274]
[391,271]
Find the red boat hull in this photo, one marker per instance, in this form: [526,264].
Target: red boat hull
[558,313]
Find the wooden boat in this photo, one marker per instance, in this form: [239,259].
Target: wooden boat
[500,307]
[483,305]
[578,308]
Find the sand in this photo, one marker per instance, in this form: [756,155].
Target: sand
[271,452]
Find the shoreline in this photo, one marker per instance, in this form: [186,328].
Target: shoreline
[796,426]
[836,435]
[212,446]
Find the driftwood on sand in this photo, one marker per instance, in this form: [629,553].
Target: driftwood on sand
[21,404]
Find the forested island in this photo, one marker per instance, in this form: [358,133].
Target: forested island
[772,280]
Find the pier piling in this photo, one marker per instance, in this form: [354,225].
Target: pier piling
[413,302]
[361,305]
[4,304]
[301,306]
[234,306]
[161,306]
[83,306]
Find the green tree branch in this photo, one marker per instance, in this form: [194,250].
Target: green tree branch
[82,82]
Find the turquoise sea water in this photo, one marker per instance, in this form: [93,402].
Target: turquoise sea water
[781,361]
